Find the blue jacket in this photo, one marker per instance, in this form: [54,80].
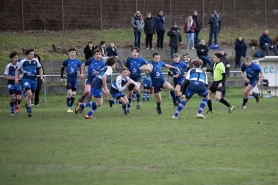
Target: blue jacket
[159,22]
[215,22]
[240,48]
[265,39]
[110,51]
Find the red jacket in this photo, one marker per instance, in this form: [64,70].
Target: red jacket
[192,28]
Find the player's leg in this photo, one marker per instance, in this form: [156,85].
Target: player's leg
[158,102]
[182,104]
[12,100]
[138,96]
[148,93]
[18,94]
[247,91]
[212,90]
[178,92]
[144,93]
[167,85]
[97,93]
[223,101]
[69,94]
[124,102]
[202,104]
[86,93]
[27,86]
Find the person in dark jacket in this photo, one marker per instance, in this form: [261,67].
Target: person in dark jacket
[89,50]
[226,63]
[112,51]
[175,38]
[160,26]
[266,43]
[240,49]
[149,30]
[36,98]
[137,23]
[197,29]
[215,27]
[202,53]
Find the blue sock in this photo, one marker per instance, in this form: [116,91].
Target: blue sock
[71,101]
[124,108]
[144,94]
[12,107]
[128,105]
[180,107]
[68,102]
[93,109]
[254,94]
[148,96]
[89,104]
[202,105]
[223,96]
[117,101]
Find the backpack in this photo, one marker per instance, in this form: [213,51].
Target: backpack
[259,54]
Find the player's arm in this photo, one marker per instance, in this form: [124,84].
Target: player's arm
[145,68]
[6,74]
[16,76]
[82,70]
[186,82]
[260,79]
[172,67]
[41,74]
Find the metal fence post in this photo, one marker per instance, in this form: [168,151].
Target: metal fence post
[44,90]
[100,14]
[234,14]
[63,18]
[265,12]
[203,13]
[22,17]
[171,21]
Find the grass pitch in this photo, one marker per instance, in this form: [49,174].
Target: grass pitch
[56,147]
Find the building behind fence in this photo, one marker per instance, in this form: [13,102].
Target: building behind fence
[103,14]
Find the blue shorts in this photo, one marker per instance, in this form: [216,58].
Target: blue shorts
[147,84]
[29,84]
[118,95]
[178,81]
[72,84]
[97,93]
[15,89]
[158,86]
[189,94]
[253,83]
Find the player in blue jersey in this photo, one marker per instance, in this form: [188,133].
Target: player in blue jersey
[29,67]
[196,82]
[95,64]
[135,65]
[252,77]
[15,90]
[147,84]
[178,78]
[72,66]
[155,70]
[99,86]
[117,90]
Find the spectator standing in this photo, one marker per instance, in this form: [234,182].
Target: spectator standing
[202,53]
[160,26]
[138,25]
[39,83]
[112,51]
[175,38]
[226,63]
[189,29]
[89,50]
[149,30]
[266,43]
[198,28]
[215,27]
[240,49]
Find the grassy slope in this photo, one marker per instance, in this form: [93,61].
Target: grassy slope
[55,147]
[41,41]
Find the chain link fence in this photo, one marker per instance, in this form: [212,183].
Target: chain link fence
[103,14]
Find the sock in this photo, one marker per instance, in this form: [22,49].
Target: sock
[128,106]
[209,105]
[244,101]
[129,100]
[81,98]
[223,96]
[117,101]
[124,108]
[180,107]
[71,101]
[138,97]
[144,94]
[148,96]
[224,102]
[173,96]
[178,99]
[89,104]
[12,107]
[93,109]
[68,102]
[202,105]
[254,94]
[158,104]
